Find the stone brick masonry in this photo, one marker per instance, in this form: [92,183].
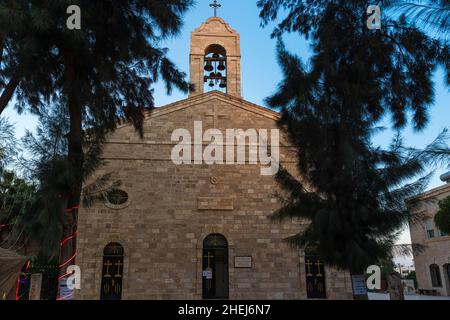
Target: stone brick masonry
[172,208]
[435,250]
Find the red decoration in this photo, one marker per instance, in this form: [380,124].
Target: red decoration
[70,259]
[18,280]
[63,242]
[69,210]
[66,297]
[69,238]
[17,288]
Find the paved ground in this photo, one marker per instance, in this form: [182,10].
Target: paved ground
[383,296]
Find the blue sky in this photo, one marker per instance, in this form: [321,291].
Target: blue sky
[261,73]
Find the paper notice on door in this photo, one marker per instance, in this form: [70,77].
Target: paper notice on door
[207,274]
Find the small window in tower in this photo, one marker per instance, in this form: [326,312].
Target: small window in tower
[215,76]
[429,228]
[117,197]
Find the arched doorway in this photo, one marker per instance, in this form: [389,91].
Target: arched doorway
[435,275]
[215,267]
[112,272]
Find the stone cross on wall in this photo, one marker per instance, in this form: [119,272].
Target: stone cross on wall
[216,116]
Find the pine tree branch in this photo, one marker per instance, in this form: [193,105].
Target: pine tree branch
[8,92]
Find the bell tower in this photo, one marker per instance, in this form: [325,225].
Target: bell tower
[215,57]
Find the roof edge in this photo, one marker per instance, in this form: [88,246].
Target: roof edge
[185,103]
[431,193]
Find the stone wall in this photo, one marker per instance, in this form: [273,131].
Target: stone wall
[171,209]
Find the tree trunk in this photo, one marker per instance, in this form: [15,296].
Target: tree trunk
[75,158]
[395,286]
[8,92]
[2,47]
[10,88]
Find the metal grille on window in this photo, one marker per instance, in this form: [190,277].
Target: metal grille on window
[117,197]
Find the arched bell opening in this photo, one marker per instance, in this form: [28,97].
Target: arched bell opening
[215,68]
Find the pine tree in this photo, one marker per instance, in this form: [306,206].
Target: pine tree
[47,166]
[8,143]
[432,14]
[352,193]
[16,194]
[16,198]
[101,73]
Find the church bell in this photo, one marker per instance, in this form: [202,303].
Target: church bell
[208,66]
[215,66]
[221,66]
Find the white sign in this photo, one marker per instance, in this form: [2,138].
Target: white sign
[208,274]
[64,292]
[243,262]
[35,286]
[359,285]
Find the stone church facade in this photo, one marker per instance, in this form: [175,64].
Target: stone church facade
[432,259]
[194,230]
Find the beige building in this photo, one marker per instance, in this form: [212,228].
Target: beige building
[195,230]
[432,262]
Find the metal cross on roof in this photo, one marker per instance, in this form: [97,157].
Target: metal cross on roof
[216,6]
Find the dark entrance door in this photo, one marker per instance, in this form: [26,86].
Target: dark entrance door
[215,267]
[315,278]
[112,272]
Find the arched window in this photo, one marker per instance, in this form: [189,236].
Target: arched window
[215,76]
[215,267]
[435,275]
[112,272]
[315,275]
[117,197]
[446,268]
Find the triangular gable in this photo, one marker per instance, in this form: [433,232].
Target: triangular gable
[210,96]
